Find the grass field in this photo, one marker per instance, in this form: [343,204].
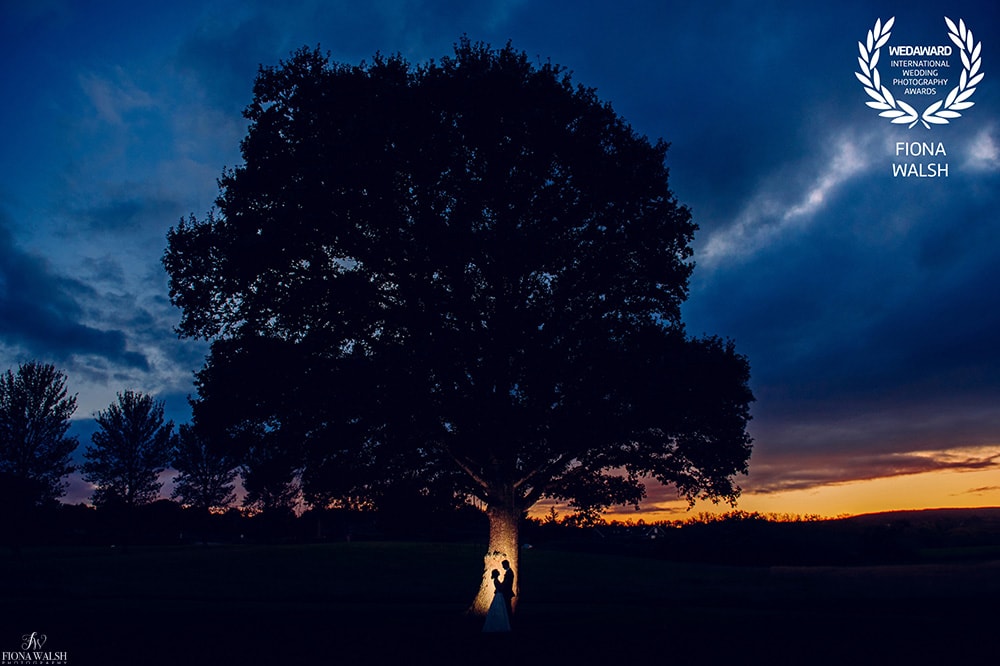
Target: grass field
[393,603]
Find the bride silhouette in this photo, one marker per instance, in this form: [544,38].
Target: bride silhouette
[497,619]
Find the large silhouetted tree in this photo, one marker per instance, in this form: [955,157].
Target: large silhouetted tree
[469,272]
[35,412]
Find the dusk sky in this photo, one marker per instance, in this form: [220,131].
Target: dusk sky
[866,302]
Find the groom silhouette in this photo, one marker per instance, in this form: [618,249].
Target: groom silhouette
[507,587]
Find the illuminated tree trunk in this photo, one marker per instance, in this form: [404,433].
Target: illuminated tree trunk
[504,545]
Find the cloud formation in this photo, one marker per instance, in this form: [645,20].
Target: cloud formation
[771,214]
[44,313]
[818,471]
[112,99]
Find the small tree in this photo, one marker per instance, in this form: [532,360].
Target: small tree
[35,413]
[206,474]
[131,449]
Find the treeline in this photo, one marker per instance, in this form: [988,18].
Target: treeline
[733,539]
[124,462]
[132,446]
[167,522]
[754,539]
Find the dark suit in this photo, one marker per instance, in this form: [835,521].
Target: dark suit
[507,589]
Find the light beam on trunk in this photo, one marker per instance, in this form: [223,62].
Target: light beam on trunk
[504,545]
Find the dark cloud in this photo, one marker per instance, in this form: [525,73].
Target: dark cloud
[223,55]
[813,471]
[105,269]
[982,490]
[41,311]
[129,211]
[834,315]
[226,48]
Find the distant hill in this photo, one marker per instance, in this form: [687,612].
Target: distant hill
[989,514]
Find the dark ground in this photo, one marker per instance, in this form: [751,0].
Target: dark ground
[391,603]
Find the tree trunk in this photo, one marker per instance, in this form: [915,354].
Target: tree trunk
[504,545]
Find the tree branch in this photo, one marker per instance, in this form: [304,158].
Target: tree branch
[546,468]
[468,470]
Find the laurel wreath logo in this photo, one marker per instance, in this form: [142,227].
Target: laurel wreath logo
[940,112]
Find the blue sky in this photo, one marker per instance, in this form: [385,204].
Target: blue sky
[866,303]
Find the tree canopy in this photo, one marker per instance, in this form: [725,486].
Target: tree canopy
[206,474]
[469,272]
[35,411]
[128,452]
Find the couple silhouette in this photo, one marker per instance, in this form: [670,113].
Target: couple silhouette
[500,612]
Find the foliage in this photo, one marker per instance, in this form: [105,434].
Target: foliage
[706,518]
[131,448]
[35,412]
[468,272]
[206,475]
[269,477]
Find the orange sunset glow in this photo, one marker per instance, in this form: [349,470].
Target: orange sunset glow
[931,490]
[958,478]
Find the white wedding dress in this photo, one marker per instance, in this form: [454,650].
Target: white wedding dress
[496,616]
